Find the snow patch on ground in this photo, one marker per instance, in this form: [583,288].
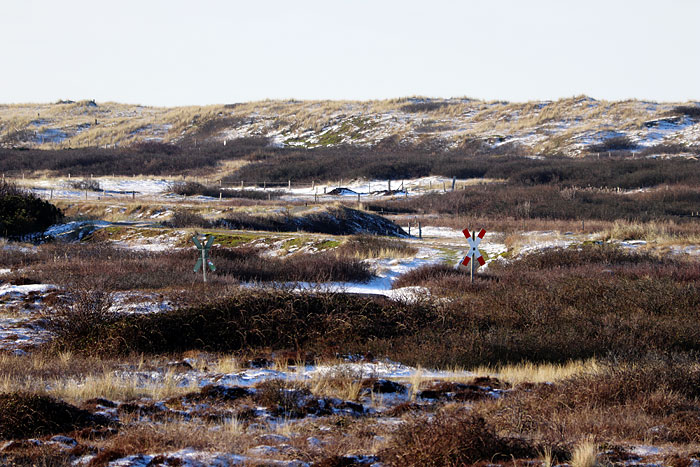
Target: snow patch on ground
[248,377]
[387,271]
[542,240]
[109,187]
[190,457]
[141,303]
[441,232]
[691,250]
[21,290]
[79,228]
[646,451]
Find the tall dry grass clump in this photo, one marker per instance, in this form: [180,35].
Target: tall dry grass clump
[585,453]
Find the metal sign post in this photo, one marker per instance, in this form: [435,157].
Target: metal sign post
[204,261]
[474,254]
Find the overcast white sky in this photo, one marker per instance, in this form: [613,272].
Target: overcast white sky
[175,52]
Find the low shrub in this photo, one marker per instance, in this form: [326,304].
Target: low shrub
[86,184]
[333,221]
[81,318]
[152,158]
[669,148]
[691,111]
[248,264]
[370,246]
[185,218]
[616,143]
[26,415]
[427,274]
[194,188]
[452,439]
[22,213]
[623,400]
[252,319]
[282,397]
[156,147]
[604,254]
[555,203]
[428,106]
[74,265]
[552,306]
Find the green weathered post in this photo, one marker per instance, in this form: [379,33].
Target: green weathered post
[204,261]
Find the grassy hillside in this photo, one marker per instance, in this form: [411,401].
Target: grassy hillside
[570,127]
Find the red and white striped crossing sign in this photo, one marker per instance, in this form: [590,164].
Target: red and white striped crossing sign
[474,254]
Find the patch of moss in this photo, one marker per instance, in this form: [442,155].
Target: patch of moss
[296,242]
[298,141]
[330,138]
[445,252]
[149,232]
[112,232]
[327,244]
[230,240]
[506,254]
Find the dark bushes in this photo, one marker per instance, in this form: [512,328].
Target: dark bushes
[555,203]
[474,158]
[185,218]
[691,111]
[370,246]
[194,188]
[658,391]
[253,319]
[247,264]
[452,439]
[616,143]
[552,307]
[423,274]
[23,213]
[386,160]
[72,265]
[149,158]
[156,147]
[606,255]
[333,221]
[81,318]
[28,415]
[428,106]
[669,148]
